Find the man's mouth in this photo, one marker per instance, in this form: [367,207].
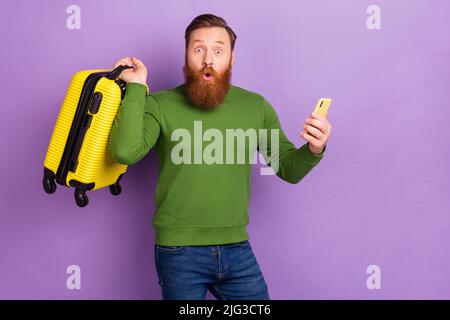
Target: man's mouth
[207,76]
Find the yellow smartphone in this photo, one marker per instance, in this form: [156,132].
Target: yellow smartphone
[322,106]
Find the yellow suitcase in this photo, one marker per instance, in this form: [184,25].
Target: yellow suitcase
[78,154]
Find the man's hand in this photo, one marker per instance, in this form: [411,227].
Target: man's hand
[316,131]
[137,74]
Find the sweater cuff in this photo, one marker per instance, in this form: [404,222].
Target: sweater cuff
[311,156]
[135,89]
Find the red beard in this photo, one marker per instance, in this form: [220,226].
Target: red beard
[206,94]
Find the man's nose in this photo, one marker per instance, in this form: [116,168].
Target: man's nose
[208,59]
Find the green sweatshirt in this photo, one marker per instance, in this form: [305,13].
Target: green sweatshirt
[199,202]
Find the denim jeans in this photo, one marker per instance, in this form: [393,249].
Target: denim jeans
[229,272]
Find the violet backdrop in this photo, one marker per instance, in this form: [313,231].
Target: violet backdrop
[378,197]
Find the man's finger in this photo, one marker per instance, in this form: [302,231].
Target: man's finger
[310,139]
[316,133]
[317,123]
[138,62]
[129,62]
[318,116]
[123,62]
[118,63]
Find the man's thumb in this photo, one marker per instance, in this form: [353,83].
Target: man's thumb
[137,62]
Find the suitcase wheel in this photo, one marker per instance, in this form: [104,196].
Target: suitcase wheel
[81,198]
[48,182]
[115,189]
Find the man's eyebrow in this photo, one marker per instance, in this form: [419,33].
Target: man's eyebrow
[198,40]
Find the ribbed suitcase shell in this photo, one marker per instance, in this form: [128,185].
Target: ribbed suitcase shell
[95,164]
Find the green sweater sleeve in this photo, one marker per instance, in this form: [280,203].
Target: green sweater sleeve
[293,163]
[136,127]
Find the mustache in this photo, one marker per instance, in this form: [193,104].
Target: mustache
[208,70]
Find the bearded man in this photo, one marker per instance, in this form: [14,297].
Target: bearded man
[201,212]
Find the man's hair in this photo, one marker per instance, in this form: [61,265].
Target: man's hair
[209,20]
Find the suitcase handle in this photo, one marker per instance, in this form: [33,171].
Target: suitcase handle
[116,72]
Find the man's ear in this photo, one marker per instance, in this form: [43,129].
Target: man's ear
[232,59]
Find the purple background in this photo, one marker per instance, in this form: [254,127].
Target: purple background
[379,196]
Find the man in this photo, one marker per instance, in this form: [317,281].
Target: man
[202,206]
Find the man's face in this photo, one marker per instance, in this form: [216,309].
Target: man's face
[209,46]
[208,66]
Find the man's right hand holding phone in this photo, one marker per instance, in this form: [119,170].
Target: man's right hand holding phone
[317,128]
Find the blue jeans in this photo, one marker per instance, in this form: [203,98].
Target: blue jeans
[229,272]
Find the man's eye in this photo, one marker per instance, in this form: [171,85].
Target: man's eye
[218,51]
[198,50]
